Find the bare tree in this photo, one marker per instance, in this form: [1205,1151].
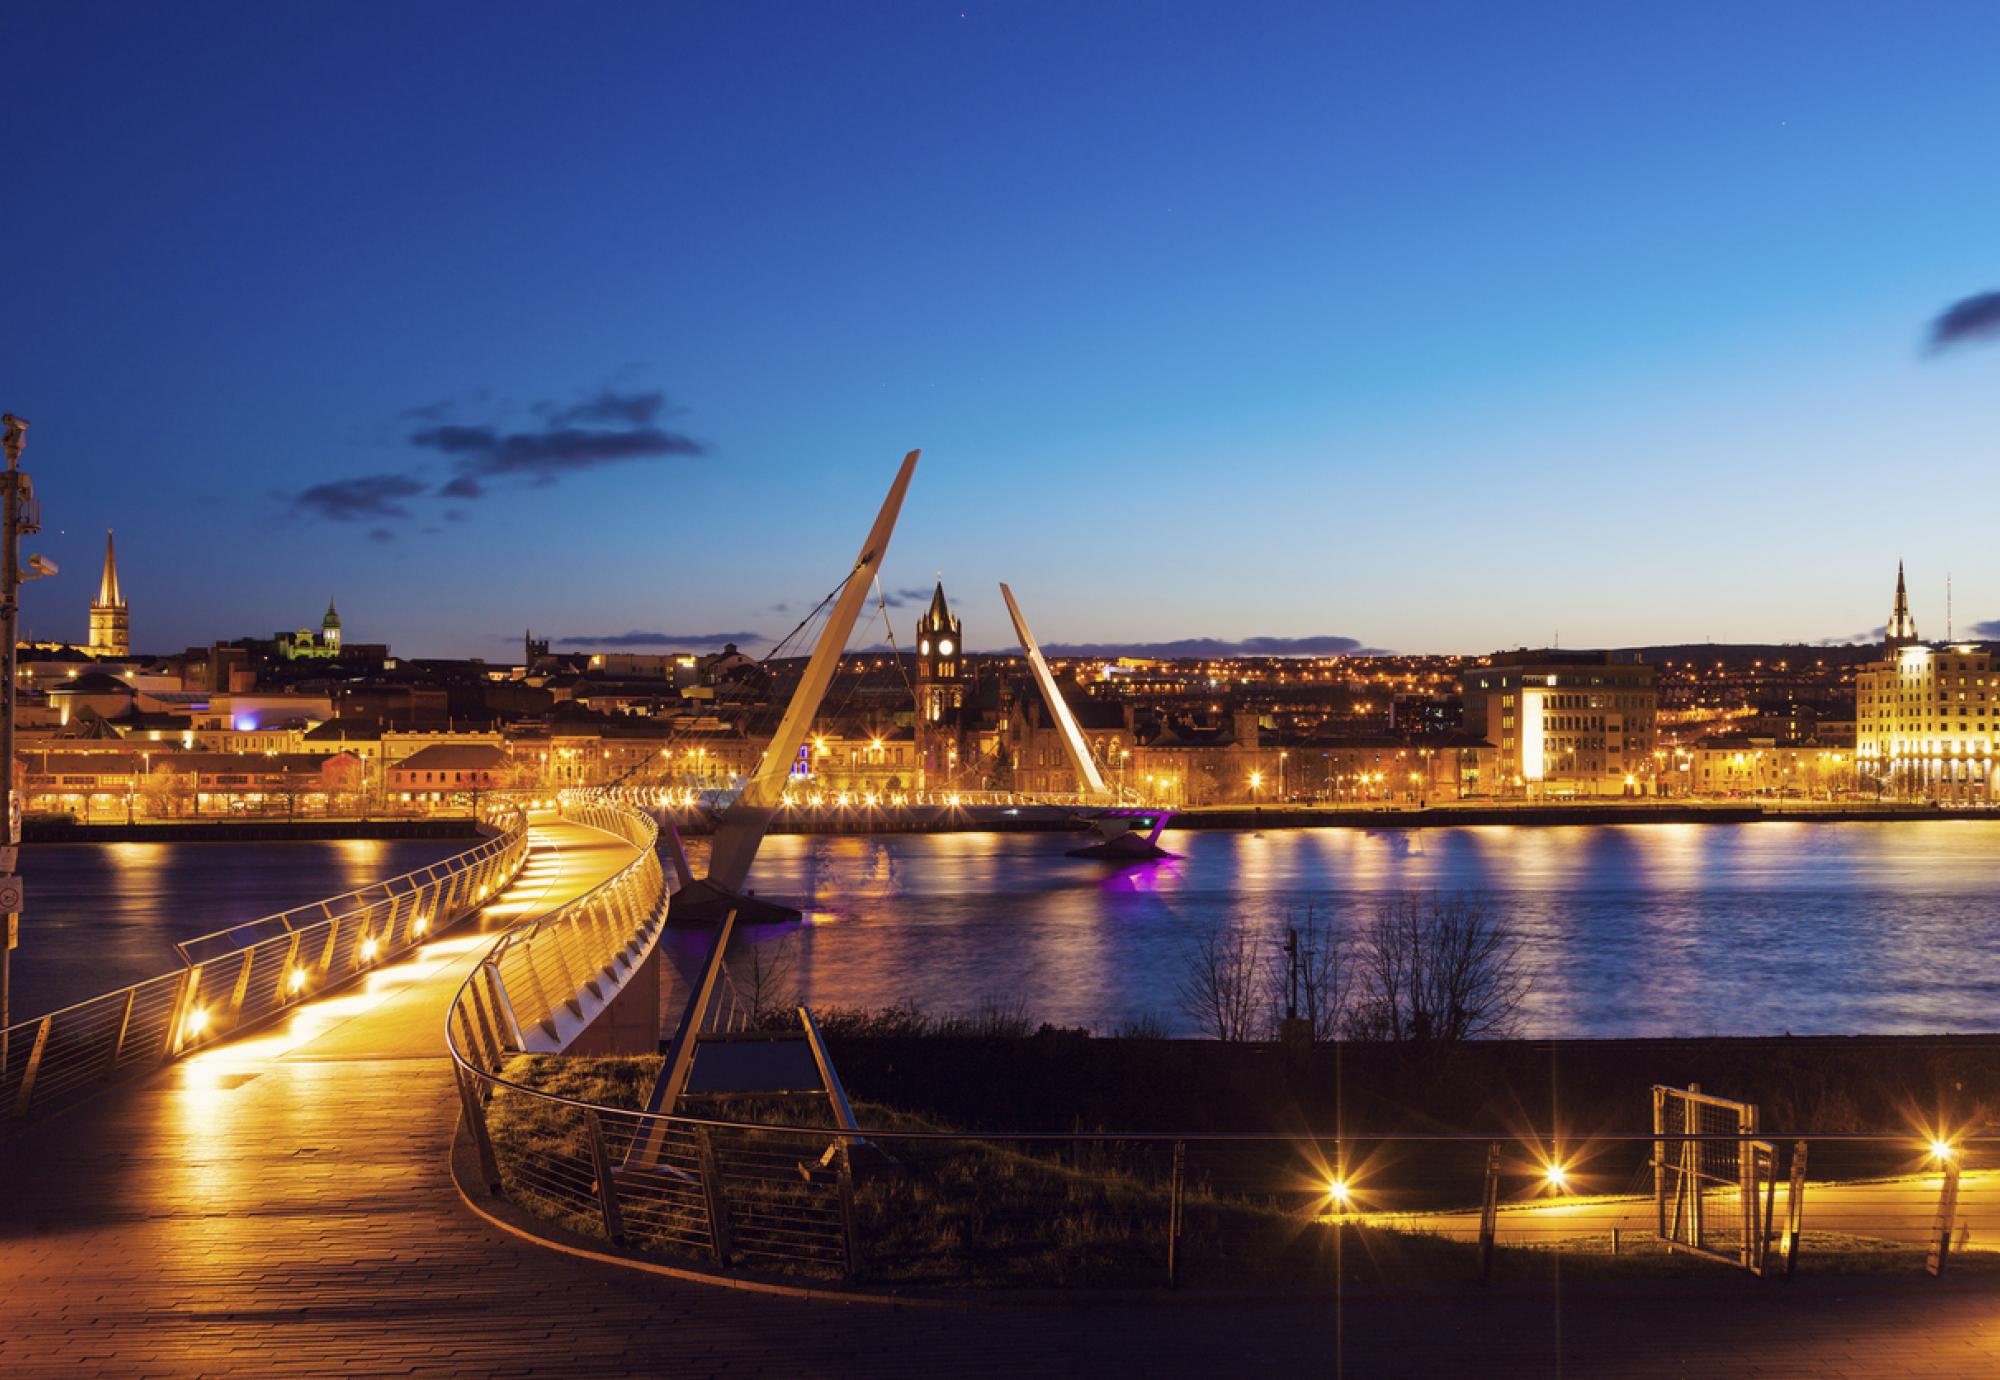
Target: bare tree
[766,979]
[1309,978]
[1220,991]
[1435,971]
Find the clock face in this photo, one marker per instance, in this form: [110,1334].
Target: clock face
[924,647]
[944,647]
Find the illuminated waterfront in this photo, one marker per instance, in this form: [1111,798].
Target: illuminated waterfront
[1744,929]
[104,915]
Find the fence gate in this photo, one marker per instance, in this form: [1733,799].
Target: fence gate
[1712,1197]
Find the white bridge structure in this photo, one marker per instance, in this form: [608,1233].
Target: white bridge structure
[1128,830]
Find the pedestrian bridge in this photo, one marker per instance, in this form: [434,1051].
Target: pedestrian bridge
[269,1190]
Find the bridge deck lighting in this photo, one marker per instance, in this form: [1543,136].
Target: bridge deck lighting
[1556,1176]
[1943,1151]
[1338,1193]
[197,1021]
[297,981]
[368,947]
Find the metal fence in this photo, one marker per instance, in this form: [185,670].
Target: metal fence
[547,978]
[902,1207]
[237,977]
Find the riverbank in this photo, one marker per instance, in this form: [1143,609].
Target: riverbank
[47,830]
[1060,1079]
[1036,819]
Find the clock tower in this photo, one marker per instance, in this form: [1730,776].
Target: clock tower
[940,692]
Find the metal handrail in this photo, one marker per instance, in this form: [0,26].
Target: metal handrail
[496,819]
[754,1193]
[764,1193]
[52,1058]
[536,983]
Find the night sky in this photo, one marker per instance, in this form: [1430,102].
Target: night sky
[1412,326]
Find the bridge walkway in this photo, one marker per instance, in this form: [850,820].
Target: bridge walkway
[281,1206]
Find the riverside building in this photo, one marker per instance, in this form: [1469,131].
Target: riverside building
[1564,723]
[1926,716]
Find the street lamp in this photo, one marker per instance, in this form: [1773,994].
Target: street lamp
[19,516]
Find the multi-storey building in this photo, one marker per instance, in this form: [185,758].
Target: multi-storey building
[1926,716]
[1564,723]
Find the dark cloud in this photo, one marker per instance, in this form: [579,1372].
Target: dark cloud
[1989,631]
[1967,322]
[899,598]
[483,453]
[1854,639]
[609,408]
[781,608]
[429,412]
[366,496]
[658,639]
[1218,647]
[381,534]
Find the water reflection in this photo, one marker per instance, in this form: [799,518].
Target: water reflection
[100,916]
[1628,930]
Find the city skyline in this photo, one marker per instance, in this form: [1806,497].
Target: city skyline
[1382,329]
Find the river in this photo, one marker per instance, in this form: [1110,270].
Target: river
[103,915]
[1625,930]
[1642,929]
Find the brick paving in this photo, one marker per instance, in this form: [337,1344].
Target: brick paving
[285,1209]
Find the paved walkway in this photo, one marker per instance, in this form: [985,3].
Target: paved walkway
[281,1206]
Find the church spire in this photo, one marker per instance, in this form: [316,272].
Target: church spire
[1902,629]
[110,620]
[107,588]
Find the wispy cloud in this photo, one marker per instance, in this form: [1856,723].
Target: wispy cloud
[901,598]
[609,427]
[1967,321]
[365,496]
[1853,639]
[1326,645]
[609,407]
[483,453]
[658,639]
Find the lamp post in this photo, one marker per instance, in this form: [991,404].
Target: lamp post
[19,516]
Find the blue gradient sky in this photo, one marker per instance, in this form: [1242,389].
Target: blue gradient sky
[1438,327]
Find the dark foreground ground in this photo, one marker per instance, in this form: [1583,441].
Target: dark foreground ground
[333,1244]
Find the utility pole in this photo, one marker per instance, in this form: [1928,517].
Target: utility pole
[20,515]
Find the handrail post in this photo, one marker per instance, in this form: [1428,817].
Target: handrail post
[184,995]
[1795,1209]
[32,1067]
[124,1026]
[1489,1212]
[607,1187]
[850,1242]
[1176,1209]
[475,1118]
[719,1236]
[1947,1210]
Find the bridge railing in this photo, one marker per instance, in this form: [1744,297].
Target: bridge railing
[245,974]
[548,977]
[900,1207]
